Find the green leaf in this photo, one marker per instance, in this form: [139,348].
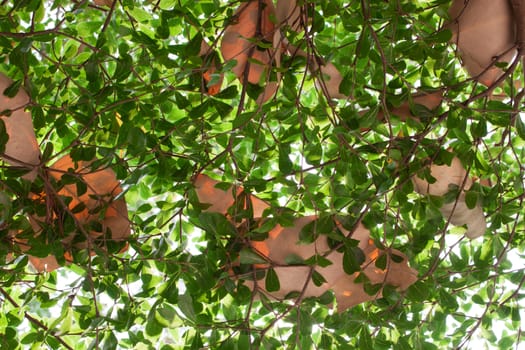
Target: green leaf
[326,342]
[194,46]
[224,110]
[228,93]
[92,70]
[285,165]
[358,170]
[185,305]
[447,301]
[471,199]
[478,300]
[12,90]
[169,291]
[520,127]
[308,233]
[479,129]
[196,343]
[294,259]
[216,224]
[167,316]
[30,338]
[372,289]
[4,137]
[313,153]
[353,257]
[5,207]
[110,342]
[397,258]
[248,256]
[381,261]
[318,260]
[153,327]
[124,68]
[241,120]
[317,278]
[81,187]
[442,36]
[365,341]
[419,291]
[305,322]
[272,281]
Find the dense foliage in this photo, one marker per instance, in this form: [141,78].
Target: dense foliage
[123,82]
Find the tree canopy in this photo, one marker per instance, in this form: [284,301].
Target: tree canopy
[261,175]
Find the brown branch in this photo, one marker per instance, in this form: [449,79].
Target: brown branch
[24,35]
[108,17]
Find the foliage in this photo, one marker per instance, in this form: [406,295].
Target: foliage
[122,82]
